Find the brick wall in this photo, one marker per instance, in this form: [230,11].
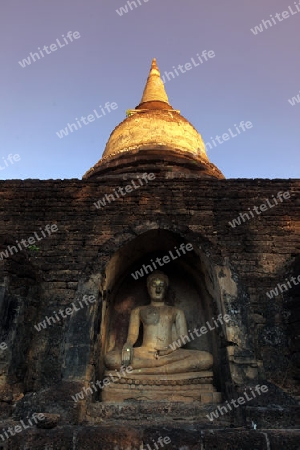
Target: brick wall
[261,252]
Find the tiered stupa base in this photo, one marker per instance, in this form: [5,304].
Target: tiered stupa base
[196,386]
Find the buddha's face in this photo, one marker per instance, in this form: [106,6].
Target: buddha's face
[157,289]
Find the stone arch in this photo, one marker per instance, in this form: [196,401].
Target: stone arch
[194,287]
[208,276]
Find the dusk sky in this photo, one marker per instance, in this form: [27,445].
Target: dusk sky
[252,77]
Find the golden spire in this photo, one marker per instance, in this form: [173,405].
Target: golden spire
[154,90]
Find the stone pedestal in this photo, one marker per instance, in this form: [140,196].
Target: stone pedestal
[185,388]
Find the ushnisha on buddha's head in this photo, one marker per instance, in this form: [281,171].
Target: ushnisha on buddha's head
[157,285]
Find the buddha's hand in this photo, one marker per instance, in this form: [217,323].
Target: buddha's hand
[127,354]
[164,352]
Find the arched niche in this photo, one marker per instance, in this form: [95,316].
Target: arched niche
[193,288]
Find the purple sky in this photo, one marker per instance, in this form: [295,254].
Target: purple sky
[251,78]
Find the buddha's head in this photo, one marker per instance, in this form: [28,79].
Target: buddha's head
[157,284]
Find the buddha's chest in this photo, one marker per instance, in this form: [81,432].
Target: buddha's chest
[151,315]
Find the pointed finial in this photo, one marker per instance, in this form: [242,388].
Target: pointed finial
[154,90]
[154,66]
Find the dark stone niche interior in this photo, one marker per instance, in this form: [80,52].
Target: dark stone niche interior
[188,278]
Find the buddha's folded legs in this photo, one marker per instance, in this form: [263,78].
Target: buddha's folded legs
[180,361]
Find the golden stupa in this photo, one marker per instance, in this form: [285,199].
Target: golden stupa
[154,133]
[153,123]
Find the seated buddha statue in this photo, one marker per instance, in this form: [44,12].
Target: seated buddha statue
[157,355]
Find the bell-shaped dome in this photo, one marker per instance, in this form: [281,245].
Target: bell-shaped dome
[155,128]
[155,123]
[154,133]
